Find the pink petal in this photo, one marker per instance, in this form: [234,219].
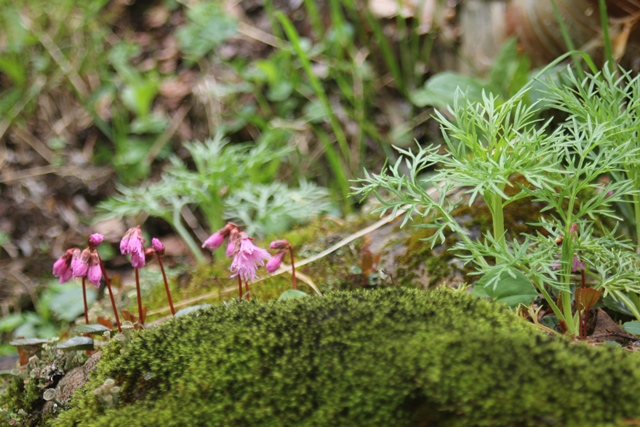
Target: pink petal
[274,263]
[214,241]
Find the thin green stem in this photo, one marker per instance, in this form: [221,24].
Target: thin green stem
[567,40]
[604,24]
[294,38]
[497,216]
[184,234]
[636,209]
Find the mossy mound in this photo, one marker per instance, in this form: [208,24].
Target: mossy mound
[390,357]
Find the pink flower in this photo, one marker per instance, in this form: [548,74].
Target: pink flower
[95,239]
[247,259]
[280,244]
[62,267]
[80,263]
[233,242]
[274,263]
[138,260]
[132,243]
[94,272]
[157,246]
[214,241]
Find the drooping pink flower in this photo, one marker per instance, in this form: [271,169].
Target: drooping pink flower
[157,246]
[138,260]
[80,263]
[214,241]
[95,239]
[234,240]
[247,259]
[133,243]
[94,272]
[274,263]
[62,267]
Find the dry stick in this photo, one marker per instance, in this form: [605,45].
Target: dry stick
[113,301]
[84,297]
[140,313]
[166,284]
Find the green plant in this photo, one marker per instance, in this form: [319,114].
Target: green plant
[275,208]
[611,100]
[227,182]
[488,145]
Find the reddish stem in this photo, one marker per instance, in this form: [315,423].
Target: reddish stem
[293,269]
[166,284]
[113,301]
[140,313]
[246,289]
[239,287]
[84,297]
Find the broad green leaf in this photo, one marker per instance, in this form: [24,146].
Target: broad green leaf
[21,342]
[94,328]
[77,343]
[632,327]
[68,305]
[439,91]
[292,293]
[512,288]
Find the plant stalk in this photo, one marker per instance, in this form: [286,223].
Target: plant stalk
[184,233]
[113,301]
[84,297]
[138,293]
[166,284]
[293,269]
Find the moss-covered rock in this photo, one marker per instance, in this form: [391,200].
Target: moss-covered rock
[390,357]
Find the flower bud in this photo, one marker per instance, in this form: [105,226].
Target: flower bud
[95,239]
[280,244]
[157,246]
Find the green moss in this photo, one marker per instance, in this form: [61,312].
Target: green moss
[391,357]
[419,261]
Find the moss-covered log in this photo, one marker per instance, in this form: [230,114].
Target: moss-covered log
[392,357]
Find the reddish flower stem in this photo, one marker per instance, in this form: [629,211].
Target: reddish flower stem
[113,301]
[246,289]
[166,284]
[293,268]
[84,297]
[140,313]
[239,287]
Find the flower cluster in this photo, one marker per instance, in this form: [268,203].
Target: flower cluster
[81,263]
[133,243]
[247,257]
